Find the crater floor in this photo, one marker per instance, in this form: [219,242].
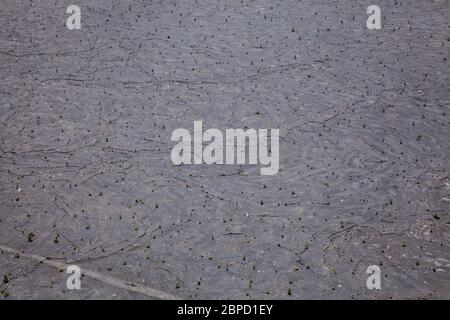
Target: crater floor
[86,177]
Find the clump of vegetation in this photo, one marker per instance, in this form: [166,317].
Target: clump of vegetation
[4,293]
[31,236]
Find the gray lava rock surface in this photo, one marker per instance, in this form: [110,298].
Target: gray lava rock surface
[86,177]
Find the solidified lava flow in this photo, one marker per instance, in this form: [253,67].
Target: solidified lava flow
[86,176]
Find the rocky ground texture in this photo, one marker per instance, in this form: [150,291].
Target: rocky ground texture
[86,177]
